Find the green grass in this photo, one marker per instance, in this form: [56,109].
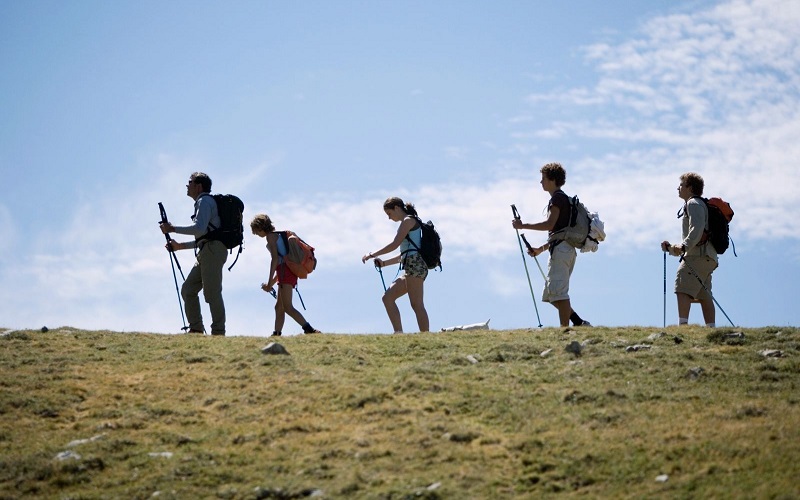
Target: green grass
[401,416]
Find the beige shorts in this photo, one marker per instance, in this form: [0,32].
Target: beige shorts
[559,270]
[686,282]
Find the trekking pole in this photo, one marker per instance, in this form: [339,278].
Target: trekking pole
[173,259]
[528,245]
[665,290]
[300,297]
[378,268]
[694,273]
[522,252]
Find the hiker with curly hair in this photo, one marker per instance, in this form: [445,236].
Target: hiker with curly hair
[415,270]
[279,273]
[562,254]
[698,256]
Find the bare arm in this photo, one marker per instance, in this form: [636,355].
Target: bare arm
[272,247]
[545,225]
[402,231]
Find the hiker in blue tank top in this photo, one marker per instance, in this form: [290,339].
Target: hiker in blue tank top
[279,273]
[414,267]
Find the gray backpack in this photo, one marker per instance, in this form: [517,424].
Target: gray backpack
[577,231]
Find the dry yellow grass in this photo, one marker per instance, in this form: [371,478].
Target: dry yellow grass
[378,416]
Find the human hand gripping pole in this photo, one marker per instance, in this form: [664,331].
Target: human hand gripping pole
[173,259]
[525,263]
[378,268]
[530,251]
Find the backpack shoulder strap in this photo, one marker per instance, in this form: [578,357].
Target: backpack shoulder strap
[419,223]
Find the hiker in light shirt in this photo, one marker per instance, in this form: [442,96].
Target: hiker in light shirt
[699,257]
[206,274]
[415,269]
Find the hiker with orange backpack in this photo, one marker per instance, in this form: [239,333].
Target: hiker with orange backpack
[698,256]
[409,240]
[280,273]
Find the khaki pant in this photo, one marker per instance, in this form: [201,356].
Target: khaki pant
[559,270]
[206,275]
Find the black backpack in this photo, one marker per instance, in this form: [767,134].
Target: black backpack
[431,244]
[231,230]
[720,215]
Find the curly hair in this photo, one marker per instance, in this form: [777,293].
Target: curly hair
[262,222]
[555,172]
[694,182]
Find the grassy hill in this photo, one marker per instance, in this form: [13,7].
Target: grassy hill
[484,414]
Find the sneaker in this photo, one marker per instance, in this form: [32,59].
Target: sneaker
[585,323]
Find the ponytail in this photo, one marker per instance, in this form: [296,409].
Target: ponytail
[394,202]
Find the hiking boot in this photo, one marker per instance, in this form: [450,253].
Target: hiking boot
[585,323]
[196,332]
[312,331]
[275,334]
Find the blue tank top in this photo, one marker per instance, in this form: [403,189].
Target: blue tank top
[407,248]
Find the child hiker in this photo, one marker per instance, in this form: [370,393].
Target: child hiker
[562,254]
[415,270]
[279,273]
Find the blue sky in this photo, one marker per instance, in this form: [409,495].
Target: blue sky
[315,112]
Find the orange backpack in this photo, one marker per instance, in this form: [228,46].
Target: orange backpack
[299,256]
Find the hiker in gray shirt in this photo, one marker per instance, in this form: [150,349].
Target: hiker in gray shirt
[698,256]
[211,255]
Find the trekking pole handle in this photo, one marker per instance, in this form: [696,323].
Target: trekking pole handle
[514,210]
[163,221]
[525,240]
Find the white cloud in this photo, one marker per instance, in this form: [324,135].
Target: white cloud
[8,232]
[714,92]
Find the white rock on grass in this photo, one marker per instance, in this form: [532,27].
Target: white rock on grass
[637,347]
[472,359]
[772,353]
[160,454]
[84,441]
[274,348]
[545,353]
[68,455]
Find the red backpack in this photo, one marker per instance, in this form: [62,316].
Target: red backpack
[299,256]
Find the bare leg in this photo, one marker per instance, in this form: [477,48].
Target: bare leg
[394,292]
[284,306]
[564,311]
[709,313]
[415,296]
[684,304]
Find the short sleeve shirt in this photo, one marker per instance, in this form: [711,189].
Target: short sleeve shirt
[560,200]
